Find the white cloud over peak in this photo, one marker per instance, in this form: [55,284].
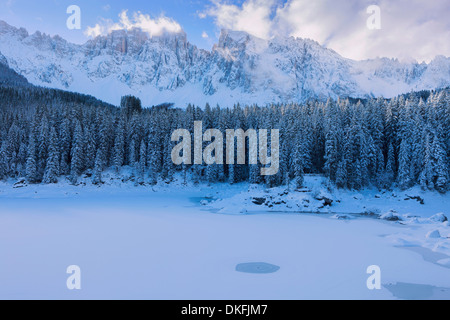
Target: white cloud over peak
[154,27]
[409,28]
[253,16]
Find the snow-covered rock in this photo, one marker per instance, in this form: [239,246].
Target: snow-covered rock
[391,215]
[20,183]
[342,217]
[239,68]
[440,217]
[434,234]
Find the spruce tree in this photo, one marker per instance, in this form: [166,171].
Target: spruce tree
[98,168]
[77,153]
[119,146]
[441,166]
[31,167]
[52,170]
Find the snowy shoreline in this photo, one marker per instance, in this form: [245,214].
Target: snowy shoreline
[317,196]
[413,207]
[175,241]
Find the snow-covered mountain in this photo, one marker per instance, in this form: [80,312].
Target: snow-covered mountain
[240,68]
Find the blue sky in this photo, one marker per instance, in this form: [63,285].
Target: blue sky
[50,15]
[410,29]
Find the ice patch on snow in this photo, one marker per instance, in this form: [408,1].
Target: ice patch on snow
[411,291]
[444,262]
[257,268]
[430,255]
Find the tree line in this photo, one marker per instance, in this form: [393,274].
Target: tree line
[47,134]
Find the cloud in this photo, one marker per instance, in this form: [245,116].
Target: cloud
[95,31]
[409,28]
[205,35]
[154,27]
[253,16]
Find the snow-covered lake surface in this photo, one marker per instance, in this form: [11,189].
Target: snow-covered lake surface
[167,243]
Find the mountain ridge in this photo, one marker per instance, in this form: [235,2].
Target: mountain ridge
[240,68]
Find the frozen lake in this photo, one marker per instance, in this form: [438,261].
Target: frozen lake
[139,244]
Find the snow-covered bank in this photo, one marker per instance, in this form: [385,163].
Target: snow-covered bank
[413,207]
[319,196]
[169,242]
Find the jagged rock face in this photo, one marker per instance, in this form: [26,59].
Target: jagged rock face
[135,59]
[3,60]
[8,76]
[292,68]
[239,68]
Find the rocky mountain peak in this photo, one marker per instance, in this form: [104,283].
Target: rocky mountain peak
[240,68]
